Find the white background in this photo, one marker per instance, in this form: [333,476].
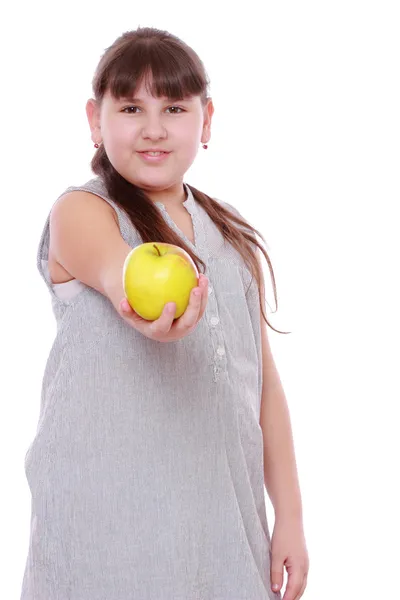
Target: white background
[305,143]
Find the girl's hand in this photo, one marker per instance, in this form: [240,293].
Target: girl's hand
[288,547]
[165,329]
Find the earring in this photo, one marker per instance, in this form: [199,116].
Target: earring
[205,146]
[96,146]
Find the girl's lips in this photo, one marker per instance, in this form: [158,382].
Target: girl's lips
[154,159]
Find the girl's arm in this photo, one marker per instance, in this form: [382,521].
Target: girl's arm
[85,239]
[280,471]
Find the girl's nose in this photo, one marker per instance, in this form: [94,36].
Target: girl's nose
[154,128]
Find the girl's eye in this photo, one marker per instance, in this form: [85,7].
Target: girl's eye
[132,113]
[178,108]
[128,107]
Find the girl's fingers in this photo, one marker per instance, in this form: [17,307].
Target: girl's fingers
[124,306]
[129,313]
[303,587]
[294,584]
[191,314]
[161,326]
[204,295]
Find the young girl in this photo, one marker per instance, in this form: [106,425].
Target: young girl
[155,438]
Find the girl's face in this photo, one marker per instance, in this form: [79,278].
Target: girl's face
[129,126]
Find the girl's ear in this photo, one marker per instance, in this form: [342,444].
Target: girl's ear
[208,113]
[93,116]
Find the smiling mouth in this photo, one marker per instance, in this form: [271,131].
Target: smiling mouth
[159,153]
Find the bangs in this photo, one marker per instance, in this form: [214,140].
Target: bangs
[165,69]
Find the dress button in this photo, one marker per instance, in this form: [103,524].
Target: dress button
[214,320]
[220,351]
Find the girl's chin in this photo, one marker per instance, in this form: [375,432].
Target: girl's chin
[152,182]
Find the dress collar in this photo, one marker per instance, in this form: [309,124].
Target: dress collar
[188,203]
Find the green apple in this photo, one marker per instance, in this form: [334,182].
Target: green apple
[155,273]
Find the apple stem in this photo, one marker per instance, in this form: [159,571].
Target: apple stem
[159,253]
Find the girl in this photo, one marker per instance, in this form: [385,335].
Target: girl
[155,439]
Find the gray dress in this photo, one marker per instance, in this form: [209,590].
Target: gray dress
[146,469]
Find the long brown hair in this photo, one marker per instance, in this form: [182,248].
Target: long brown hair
[176,72]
